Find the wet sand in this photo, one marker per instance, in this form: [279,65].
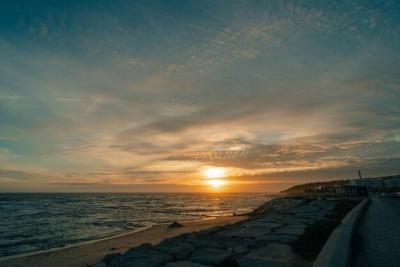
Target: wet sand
[89,253]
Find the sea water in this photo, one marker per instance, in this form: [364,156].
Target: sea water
[40,221]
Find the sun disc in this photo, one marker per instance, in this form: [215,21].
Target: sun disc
[214,172]
[216,183]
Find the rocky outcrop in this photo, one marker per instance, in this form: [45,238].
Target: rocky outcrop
[279,204]
[175,225]
[262,240]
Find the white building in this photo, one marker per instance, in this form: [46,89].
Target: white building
[373,183]
[387,183]
[392,182]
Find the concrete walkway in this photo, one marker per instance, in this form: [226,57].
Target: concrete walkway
[378,243]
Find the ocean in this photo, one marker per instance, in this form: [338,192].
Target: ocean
[40,221]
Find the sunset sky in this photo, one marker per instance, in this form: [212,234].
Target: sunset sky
[149,95]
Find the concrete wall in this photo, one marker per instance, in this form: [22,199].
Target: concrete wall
[337,250]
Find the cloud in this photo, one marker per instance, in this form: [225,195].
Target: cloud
[152,92]
[369,168]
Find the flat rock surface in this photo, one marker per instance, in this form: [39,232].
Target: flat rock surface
[184,264]
[252,262]
[272,251]
[296,229]
[211,256]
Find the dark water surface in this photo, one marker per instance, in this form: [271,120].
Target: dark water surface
[33,222]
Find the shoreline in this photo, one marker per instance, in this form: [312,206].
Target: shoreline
[289,231]
[89,252]
[83,243]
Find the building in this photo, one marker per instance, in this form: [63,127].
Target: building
[355,191]
[370,183]
[392,182]
[368,186]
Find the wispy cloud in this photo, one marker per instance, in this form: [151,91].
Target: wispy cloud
[150,93]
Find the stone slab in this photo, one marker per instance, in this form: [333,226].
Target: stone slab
[185,264]
[210,256]
[296,230]
[251,262]
[272,251]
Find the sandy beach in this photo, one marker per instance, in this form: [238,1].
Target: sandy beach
[89,253]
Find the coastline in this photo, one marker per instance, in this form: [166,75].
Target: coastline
[86,253]
[284,230]
[288,231]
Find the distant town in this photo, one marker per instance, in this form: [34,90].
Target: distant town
[362,186]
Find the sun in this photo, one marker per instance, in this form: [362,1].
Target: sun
[216,183]
[214,172]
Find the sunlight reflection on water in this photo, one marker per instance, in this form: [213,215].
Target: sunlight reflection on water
[32,222]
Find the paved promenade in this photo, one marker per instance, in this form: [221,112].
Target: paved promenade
[379,235]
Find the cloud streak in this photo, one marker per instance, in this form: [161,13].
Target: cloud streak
[150,93]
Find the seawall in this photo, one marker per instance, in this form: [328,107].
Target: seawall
[270,237]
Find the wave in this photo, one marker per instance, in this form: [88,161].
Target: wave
[33,222]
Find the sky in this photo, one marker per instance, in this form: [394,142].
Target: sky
[139,96]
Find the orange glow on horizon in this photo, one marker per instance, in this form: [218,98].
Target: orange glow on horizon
[216,183]
[214,172]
